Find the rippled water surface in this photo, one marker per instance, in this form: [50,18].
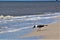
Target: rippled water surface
[21,25]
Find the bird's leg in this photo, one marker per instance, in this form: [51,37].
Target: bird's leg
[39,29]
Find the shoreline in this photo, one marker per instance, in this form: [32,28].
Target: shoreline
[49,32]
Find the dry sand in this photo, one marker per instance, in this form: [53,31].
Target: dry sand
[52,31]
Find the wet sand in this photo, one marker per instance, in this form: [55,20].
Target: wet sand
[50,32]
[58,17]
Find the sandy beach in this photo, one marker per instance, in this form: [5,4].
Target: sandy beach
[49,32]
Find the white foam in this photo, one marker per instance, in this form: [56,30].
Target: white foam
[0,21]
[10,20]
[3,27]
[33,18]
[14,30]
[25,18]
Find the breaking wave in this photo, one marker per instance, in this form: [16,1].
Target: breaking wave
[24,18]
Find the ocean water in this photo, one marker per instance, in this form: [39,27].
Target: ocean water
[18,26]
[28,8]
[26,17]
